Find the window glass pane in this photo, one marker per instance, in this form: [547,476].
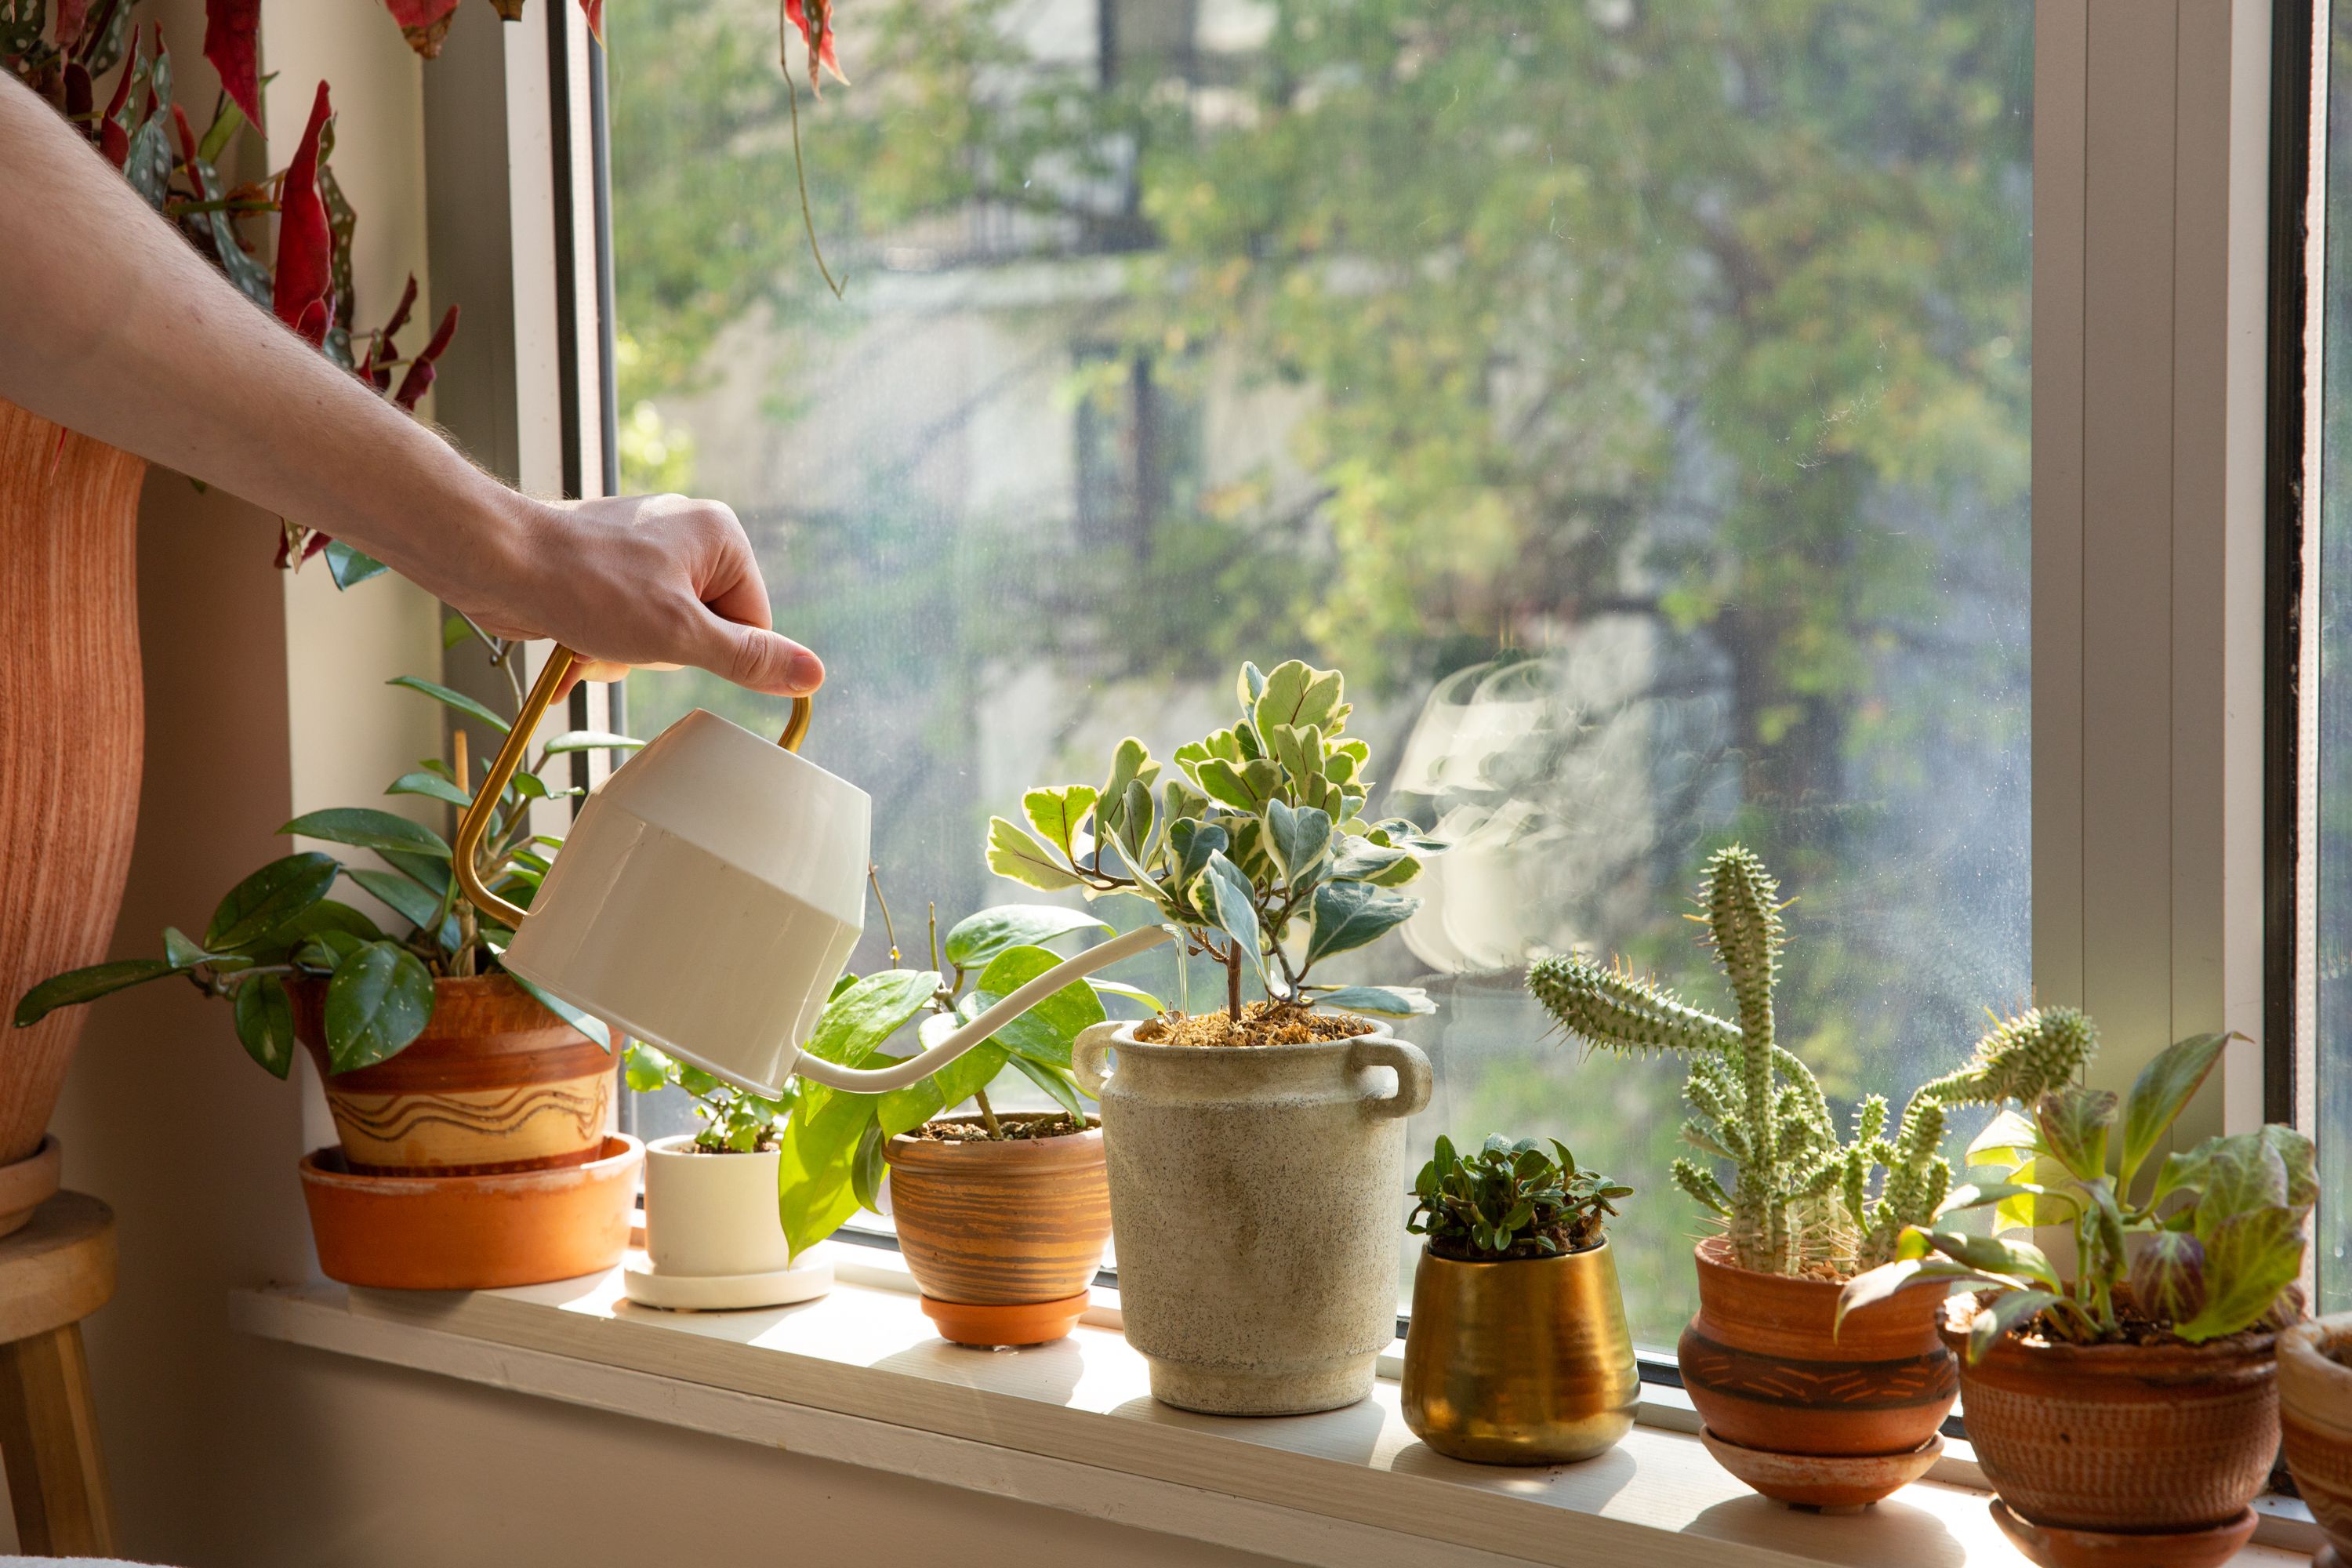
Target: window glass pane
[2332,1224]
[1630,397]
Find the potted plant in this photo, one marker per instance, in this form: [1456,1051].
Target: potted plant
[1519,1352]
[2136,1397]
[1277,1296]
[2314,1385]
[1799,1413]
[713,1237]
[1001,1215]
[438,1066]
[69,505]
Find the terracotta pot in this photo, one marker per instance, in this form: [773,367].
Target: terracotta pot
[496,1082]
[28,1183]
[2144,1439]
[472,1233]
[71,715]
[1524,1361]
[1766,1371]
[1002,1237]
[1254,1195]
[2315,1391]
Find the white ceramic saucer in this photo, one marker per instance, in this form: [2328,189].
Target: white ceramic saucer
[722,1293]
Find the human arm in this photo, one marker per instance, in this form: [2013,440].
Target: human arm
[112,325]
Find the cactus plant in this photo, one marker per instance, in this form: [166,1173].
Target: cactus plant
[1799,1197]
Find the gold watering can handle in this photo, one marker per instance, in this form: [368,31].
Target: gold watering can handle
[477,820]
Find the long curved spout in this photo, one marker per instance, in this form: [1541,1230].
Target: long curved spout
[874,1080]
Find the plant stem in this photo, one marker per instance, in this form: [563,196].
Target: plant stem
[800,169]
[987,1114]
[1234,984]
[874,881]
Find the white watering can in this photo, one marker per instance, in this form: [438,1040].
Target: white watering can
[709,894]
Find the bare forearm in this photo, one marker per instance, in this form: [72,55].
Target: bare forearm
[114,326]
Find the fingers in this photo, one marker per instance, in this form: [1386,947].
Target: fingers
[761,660]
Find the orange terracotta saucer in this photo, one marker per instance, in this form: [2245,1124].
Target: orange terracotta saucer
[2053,1546]
[985,1326]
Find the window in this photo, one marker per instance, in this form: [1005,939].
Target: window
[1631,399]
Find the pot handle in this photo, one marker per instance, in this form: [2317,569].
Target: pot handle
[1090,1057]
[476,822]
[1414,1078]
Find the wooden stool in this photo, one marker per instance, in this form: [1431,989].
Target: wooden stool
[56,1271]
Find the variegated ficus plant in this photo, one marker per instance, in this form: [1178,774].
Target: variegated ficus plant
[2210,1245]
[65,50]
[1800,1198]
[1254,846]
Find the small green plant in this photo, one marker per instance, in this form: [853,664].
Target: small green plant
[834,1143]
[1510,1200]
[1258,838]
[734,1120]
[2212,1248]
[1799,1197]
[278,924]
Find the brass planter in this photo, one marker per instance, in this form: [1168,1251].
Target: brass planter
[1527,1361]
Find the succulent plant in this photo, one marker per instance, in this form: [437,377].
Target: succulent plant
[1257,836]
[1799,1195]
[1510,1200]
[2213,1248]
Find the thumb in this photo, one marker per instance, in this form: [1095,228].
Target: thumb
[761,660]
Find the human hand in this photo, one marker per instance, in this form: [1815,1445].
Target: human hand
[639,580]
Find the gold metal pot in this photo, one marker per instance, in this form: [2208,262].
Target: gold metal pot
[1527,1361]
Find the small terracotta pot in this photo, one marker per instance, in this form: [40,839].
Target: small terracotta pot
[1002,1229]
[472,1233]
[1769,1369]
[2144,1439]
[26,1184]
[496,1082]
[2315,1391]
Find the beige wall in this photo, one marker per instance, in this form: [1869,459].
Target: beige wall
[265,696]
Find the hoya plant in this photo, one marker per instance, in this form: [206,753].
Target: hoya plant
[1254,846]
[834,1142]
[280,925]
[2210,1245]
[1799,1197]
[1510,1200]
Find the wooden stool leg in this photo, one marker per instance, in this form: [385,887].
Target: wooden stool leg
[49,1438]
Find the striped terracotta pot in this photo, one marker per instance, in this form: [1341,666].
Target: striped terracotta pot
[2315,1410]
[2123,1437]
[1011,1230]
[496,1082]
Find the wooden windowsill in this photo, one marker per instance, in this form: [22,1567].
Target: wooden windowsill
[859,1377]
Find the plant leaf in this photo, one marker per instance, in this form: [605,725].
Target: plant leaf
[978,938]
[1382,1001]
[1058,813]
[1135,994]
[1298,839]
[411,902]
[79,985]
[269,898]
[2073,1123]
[2010,1135]
[2168,1275]
[588,1025]
[1224,895]
[368,829]
[1047,1030]
[1014,855]
[265,1022]
[456,699]
[2003,1313]
[1352,914]
[590,740]
[2249,1257]
[2241,1173]
[1053,1082]
[432,785]
[378,1000]
[858,1020]
[2160,1093]
[350,567]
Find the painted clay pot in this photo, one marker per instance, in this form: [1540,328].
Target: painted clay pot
[1526,1360]
[2314,1388]
[496,1082]
[71,712]
[2136,1438]
[1004,1236]
[472,1232]
[1768,1368]
[1255,1198]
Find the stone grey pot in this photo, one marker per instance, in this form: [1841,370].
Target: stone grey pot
[1256,1209]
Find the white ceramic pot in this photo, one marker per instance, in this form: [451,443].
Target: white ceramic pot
[1257,1208]
[712,1214]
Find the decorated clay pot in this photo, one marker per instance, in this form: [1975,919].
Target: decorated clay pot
[2315,1389]
[1005,1235]
[2144,1439]
[1254,1195]
[71,725]
[496,1082]
[1769,1367]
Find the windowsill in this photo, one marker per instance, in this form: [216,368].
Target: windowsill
[859,1377]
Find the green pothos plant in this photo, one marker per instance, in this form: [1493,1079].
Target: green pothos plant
[834,1142]
[2211,1246]
[733,1119]
[279,926]
[1801,1197]
[1254,846]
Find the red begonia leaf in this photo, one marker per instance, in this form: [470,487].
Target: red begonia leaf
[187,139]
[71,14]
[419,379]
[814,19]
[305,248]
[114,136]
[423,23]
[594,11]
[82,94]
[232,42]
